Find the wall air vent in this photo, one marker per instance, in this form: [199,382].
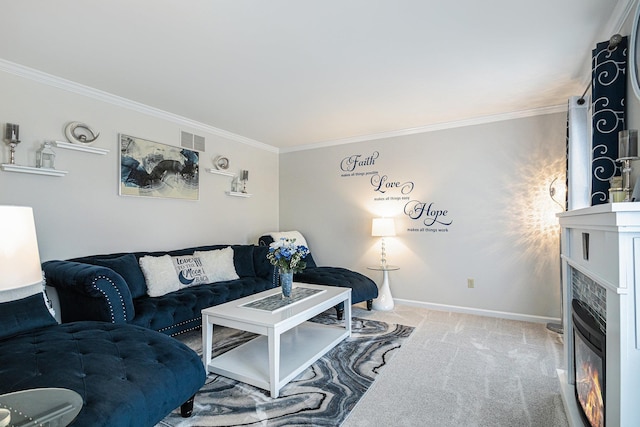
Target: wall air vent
[192,141]
[186,140]
[198,143]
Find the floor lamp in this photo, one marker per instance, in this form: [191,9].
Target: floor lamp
[558,327]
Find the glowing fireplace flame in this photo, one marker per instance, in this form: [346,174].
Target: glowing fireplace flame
[590,394]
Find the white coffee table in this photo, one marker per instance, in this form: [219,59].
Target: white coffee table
[287,344]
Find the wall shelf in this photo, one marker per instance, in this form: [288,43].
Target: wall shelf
[219,172]
[230,175]
[84,148]
[35,171]
[238,194]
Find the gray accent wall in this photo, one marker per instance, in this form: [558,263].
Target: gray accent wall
[493,182]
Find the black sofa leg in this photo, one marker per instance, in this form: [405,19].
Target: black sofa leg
[340,313]
[186,409]
[369,304]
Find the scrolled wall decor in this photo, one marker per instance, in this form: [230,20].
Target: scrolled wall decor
[80,133]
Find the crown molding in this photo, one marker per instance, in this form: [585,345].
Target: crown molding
[622,11]
[80,89]
[70,86]
[432,128]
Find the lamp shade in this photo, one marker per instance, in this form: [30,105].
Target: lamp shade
[19,257]
[382,227]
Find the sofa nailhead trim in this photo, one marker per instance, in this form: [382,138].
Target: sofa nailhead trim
[186,330]
[181,323]
[113,317]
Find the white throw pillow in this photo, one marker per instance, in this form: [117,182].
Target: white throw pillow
[300,240]
[166,274]
[218,264]
[159,274]
[189,270]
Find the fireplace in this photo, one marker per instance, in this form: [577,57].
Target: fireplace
[589,365]
[606,266]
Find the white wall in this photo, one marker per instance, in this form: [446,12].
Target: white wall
[492,180]
[82,213]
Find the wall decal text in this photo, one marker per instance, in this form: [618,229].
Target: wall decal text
[350,163]
[382,184]
[390,190]
[426,213]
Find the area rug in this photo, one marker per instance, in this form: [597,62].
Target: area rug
[323,395]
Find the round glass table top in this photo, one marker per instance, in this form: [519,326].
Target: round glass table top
[52,407]
[384,267]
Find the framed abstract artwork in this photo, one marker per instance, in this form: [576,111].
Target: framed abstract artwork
[152,169]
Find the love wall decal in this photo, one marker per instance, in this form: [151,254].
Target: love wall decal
[388,189]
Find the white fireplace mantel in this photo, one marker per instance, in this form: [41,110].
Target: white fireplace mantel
[603,243]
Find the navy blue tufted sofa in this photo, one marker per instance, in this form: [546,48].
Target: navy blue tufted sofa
[127,376]
[112,288]
[362,288]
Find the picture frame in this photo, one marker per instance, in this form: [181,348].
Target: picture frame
[153,169]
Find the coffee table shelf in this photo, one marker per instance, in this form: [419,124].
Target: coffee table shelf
[299,348]
[287,343]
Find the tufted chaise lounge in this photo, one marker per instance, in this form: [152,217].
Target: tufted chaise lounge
[362,288]
[126,375]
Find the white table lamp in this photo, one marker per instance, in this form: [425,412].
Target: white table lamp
[19,256]
[383,227]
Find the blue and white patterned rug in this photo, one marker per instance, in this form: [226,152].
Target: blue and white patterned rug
[323,395]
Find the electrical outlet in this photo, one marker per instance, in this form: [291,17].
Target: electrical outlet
[471,283]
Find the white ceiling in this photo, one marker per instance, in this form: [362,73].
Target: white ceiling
[298,72]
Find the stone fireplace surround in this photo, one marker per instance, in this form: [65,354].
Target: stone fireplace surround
[601,253]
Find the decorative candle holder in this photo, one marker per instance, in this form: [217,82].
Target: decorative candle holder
[244,177]
[627,151]
[12,137]
[46,157]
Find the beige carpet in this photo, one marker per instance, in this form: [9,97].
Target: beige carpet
[464,370]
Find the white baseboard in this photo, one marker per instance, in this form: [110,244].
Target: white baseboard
[479,311]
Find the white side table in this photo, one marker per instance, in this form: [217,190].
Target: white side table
[384,302]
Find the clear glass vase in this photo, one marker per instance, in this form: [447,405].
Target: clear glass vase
[286,282]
